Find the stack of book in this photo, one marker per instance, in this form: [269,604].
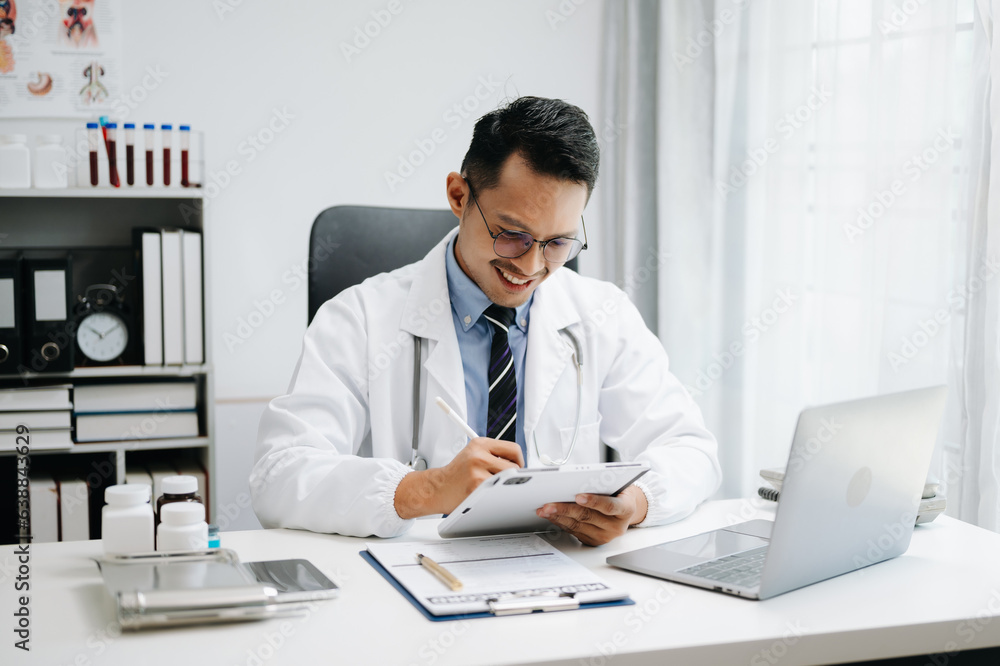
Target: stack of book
[43,410]
[60,508]
[136,411]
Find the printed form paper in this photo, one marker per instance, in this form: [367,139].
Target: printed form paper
[490,568]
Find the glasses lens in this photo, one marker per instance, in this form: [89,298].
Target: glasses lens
[561,250]
[512,244]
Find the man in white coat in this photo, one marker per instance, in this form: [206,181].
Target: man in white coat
[501,334]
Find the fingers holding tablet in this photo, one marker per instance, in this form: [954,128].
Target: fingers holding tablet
[597,519]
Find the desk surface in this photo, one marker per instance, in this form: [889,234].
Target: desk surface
[942,595]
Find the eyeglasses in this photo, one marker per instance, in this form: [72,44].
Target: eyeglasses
[513,244]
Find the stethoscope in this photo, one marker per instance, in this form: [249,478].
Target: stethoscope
[419,463]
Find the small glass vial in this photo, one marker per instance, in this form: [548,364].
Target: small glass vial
[180,488]
[127,520]
[15,161]
[130,153]
[167,139]
[149,130]
[50,162]
[93,143]
[185,131]
[111,141]
[182,527]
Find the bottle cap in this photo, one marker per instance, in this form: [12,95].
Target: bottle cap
[182,513]
[129,125]
[111,125]
[49,138]
[13,138]
[92,126]
[148,126]
[185,128]
[180,484]
[129,494]
[166,127]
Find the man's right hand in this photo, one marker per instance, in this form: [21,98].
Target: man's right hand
[441,489]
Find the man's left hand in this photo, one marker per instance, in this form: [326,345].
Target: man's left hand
[597,519]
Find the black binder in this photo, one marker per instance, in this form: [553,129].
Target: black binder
[48,328]
[10,315]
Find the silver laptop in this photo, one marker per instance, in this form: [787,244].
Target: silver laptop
[852,488]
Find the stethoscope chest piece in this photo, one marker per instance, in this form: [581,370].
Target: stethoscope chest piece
[418,463]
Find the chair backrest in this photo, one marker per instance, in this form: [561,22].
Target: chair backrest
[349,244]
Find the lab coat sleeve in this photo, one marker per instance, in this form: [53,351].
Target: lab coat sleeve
[647,415]
[307,473]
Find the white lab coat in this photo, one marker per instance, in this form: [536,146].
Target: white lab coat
[331,453]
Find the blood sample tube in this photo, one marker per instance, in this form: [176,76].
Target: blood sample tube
[185,146]
[167,137]
[94,142]
[149,130]
[111,140]
[130,153]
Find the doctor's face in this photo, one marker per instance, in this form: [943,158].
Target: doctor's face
[544,206]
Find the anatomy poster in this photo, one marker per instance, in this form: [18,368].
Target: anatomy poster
[59,58]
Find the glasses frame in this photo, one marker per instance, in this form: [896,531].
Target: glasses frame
[542,244]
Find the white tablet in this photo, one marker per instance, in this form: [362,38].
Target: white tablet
[506,502]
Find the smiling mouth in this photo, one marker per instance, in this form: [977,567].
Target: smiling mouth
[513,282]
[511,278]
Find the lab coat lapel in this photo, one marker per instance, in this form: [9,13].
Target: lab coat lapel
[427,314]
[547,354]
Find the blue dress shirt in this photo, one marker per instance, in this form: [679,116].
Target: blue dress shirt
[475,339]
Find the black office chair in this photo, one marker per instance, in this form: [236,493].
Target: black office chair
[349,244]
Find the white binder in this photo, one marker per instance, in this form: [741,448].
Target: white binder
[152,298]
[173,298]
[193,336]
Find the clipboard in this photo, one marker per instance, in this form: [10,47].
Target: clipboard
[546,605]
[504,575]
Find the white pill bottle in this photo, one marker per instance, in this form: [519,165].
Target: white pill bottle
[182,527]
[127,520]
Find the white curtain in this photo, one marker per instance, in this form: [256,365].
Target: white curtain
[664,243]
[971,461]
[811,163]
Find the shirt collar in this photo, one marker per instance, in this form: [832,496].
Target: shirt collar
[468,300]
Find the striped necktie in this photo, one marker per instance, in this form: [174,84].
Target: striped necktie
[502,416]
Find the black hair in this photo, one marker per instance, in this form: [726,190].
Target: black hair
[554,137]
[5,21]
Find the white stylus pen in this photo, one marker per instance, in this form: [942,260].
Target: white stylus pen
[453,415]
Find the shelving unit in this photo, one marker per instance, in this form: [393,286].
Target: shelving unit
[95,221]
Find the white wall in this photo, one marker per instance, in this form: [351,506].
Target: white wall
[233,73]
[351,123]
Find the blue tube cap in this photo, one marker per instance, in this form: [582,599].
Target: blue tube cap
[129,125]
[112,125]
[166,127]
[185,128]
[149,126]
[92,126]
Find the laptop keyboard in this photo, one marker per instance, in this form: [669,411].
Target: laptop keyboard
[739,570]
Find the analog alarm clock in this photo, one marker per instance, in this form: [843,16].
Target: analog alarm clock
[103,325]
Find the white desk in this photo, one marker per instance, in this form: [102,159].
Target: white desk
[943,594]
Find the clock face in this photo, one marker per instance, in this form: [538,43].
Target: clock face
[102,336]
